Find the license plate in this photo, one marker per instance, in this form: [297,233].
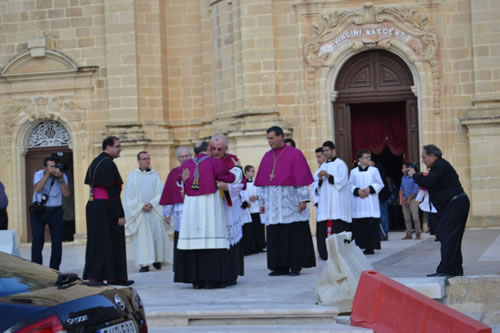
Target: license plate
[125,327]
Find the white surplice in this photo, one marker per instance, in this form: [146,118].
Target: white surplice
[281,204]
[245,212]
[334,199]
[252,191]
[233,213]
[365,207]
[148,230]
[204,222]
[315,189]
[175,213]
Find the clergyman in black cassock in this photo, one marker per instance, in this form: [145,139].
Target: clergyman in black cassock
[105,255]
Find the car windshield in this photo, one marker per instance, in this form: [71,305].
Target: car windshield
[18,275]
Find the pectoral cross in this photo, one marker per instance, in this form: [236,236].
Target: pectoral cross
[275,159]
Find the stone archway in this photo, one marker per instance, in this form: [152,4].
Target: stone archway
[371,79]
[39,85]
[338,36]
[51,138]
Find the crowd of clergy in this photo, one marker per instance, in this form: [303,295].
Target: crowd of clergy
[215,212]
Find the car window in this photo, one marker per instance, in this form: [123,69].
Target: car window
[18,275]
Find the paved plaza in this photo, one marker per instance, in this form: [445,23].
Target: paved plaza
[257,290]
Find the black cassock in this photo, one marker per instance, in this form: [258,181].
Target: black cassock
[105,255]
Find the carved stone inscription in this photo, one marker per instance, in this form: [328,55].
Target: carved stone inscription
[370,27]
[371,33]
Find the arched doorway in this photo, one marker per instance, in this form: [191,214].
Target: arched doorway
[50,138]
[376,109]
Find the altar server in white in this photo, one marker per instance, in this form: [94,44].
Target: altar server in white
[320,158]
[144,219]
[365,184]
[254,239]
[334,206]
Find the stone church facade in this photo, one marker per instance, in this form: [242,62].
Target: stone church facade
[161,74]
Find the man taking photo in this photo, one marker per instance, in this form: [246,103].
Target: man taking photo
[50,185]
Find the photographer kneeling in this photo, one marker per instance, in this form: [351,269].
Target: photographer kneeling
[452,204]
[50,185]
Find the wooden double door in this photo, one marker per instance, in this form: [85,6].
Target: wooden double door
[376,108]
[34,162]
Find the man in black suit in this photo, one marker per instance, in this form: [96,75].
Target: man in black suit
[447,195]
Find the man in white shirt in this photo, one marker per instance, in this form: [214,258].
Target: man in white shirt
[50,186]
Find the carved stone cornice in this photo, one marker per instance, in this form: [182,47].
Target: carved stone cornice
[404,19]
[46,108]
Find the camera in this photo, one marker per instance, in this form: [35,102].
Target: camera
[61,166]
[59,163]
[37,207]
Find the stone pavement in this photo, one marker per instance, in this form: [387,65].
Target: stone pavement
[256,290]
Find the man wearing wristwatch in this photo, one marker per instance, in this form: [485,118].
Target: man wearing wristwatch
[50,185]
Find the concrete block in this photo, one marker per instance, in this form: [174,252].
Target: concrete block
[432,287]
[8,242]
[477,296]
[340,277]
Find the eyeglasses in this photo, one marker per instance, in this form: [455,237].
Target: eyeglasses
[118,146]
[218,149]
[145,159]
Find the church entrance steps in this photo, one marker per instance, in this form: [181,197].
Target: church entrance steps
[265,315]
[332,328]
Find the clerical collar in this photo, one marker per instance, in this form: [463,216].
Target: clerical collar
[361,168]
[331,159]
[147,170]
[249,180]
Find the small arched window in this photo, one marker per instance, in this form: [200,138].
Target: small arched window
[49,133]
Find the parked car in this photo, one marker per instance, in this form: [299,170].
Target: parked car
[35,298]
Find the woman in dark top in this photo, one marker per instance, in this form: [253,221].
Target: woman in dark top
[447,195]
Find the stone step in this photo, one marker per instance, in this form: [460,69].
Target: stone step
[278,315]
[333,328]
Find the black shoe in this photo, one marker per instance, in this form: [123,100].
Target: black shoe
[157,265]
[197,285]
[121,282]
[369,251]
[214,285]
[278,272]
[231,283]
[441,275]
[384,238]
[144,269]
[294,273]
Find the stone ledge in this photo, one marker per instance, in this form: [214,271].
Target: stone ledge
[335,328]
[243,316]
